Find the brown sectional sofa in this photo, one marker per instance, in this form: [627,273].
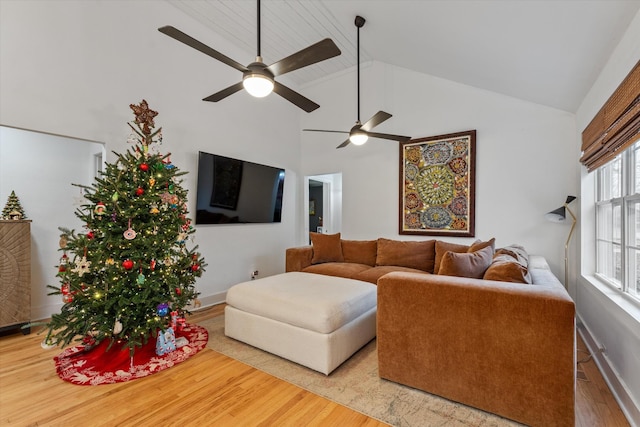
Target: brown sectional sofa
[506,346]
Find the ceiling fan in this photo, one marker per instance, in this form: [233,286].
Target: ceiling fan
[359,133]
[258,78]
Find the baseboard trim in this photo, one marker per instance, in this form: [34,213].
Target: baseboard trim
[209,300]
[630,410]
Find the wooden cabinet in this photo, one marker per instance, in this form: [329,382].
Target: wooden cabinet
[15,274]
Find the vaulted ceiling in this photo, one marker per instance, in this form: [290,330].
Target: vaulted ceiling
[545,51]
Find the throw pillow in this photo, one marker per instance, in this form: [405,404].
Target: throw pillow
[442,248]
[360,251]
[470,264]
[326,248]
[478,244]
[412,254]
[517,252]
[504,268]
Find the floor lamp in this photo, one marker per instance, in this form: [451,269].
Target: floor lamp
[559,215]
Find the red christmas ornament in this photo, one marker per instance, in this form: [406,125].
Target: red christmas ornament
[152,264]
[90,235]
[67,298]
[65,289]
[144,167]
[178,291]
[195,267]
[139,191]
[127,264]
[62,268]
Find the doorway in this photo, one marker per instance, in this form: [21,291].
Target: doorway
[323,203]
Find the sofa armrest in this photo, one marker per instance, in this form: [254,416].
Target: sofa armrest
[298,258]
[502,347]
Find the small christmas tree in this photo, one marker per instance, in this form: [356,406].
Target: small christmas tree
[129,274]
[13,208]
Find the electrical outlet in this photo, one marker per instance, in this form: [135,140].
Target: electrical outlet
[254,274]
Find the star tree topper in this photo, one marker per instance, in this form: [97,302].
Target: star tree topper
[144,117]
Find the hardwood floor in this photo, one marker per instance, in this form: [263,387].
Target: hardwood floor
[208,389]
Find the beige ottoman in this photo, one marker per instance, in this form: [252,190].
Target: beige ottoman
[315,320]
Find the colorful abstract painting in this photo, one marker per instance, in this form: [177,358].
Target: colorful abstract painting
[437,185]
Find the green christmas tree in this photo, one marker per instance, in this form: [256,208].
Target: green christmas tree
[129,274]
[13,208]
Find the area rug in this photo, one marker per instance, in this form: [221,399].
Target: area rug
[101,366]
[356,384]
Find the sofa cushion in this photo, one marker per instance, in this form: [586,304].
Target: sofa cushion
[372,275]
[326,248]
[505,268]
[411,254]
[470,264]
[338,269]
[442,248]
[360,251]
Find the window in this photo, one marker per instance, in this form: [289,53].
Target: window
[618,221]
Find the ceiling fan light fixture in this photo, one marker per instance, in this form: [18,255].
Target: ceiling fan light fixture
[358,138]
[257,85]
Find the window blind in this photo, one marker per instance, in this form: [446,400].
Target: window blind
[616,126]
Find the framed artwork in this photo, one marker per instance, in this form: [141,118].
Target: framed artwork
[312,207]
[437,185]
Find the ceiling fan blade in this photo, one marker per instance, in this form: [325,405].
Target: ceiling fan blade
[374,121]
[224,93]
[190,41]
[389,136]
[294,97]
[320,51]
[323,130]
[344,144]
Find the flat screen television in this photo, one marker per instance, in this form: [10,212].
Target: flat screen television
[232,191]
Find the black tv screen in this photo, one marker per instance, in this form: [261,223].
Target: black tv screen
[236,191]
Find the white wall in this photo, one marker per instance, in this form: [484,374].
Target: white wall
[41,168]
[612,321]
[73,67]
[525,164]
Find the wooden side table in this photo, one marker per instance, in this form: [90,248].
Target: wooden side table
[15,275]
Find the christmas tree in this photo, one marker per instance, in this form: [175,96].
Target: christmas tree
[129,274]
[13,209]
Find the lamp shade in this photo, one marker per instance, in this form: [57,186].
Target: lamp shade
[557,215]
[358,138]
[257,85]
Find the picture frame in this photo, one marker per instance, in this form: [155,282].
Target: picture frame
[312,207]
[437,185]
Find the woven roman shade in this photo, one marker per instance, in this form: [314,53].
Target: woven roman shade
[616,126]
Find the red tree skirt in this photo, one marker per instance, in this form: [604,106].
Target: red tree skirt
[99,366]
